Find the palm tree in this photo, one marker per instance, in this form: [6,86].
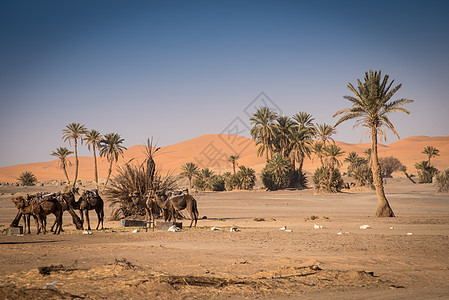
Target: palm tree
[75,132]
[352,158]
[247,177]
[111,147]
[300,143]
[189,170]
[333,154]
[263,130]
[282,130]
[324,132]
[305,120]
[27,178]
[93,139]
[431,151]
[370,106]
[202,178]
[317,148]
[233,160]
[62,153]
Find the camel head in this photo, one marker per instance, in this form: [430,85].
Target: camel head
[19,202]
[135,196]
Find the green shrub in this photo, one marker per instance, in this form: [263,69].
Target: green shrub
[202,179]
[363,175]
[388,165]
[323,183]
[425,171]
[246,178]
[216,183]
[277,173]
[27,178]
[442,181]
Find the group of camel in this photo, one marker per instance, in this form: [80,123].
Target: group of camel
[170,204]
[40,205]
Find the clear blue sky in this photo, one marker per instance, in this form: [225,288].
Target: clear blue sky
[175,70]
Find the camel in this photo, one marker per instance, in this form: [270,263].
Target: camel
[66,199]
[40,206]
[145,202]
[90,200]
[26,220]
[175,204]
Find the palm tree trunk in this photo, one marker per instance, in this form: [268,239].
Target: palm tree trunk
[76,163]
[233,166]
[66,175]
[96,169]
[383,207]
[109,173]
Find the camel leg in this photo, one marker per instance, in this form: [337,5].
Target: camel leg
[87,219]
[27,219]
[58,221]
[82,219]
[100,218]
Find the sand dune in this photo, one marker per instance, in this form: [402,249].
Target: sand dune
[212,151]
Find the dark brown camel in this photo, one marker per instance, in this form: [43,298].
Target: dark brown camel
[90,200]
[175,204]
[40,206]
[147,203]
[67,199]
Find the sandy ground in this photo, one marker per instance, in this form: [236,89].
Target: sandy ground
[259,261]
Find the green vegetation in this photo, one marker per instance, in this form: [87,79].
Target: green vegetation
[27,178]
[277,173]
[111,147]
[93,138]
[425,171]
[61,153]
[442,182]
[189,170]
[75,132]
[388,165]
[370,107]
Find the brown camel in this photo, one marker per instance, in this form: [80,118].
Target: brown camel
[90,200]
[67,199]
[175,204]
[26,219]
[146,202]
[40,206]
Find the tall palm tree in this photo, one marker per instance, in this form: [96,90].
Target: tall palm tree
[111,147]
[189,170]
[324,132]
[233,160]
[75,132]
[61,153]
[263,130]
[305,120]
[430,151]
[92,139]
[300,143]
[370,108]
[282,130]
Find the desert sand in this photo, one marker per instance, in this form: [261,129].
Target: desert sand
[212,151]
[401,258]
[396,258]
